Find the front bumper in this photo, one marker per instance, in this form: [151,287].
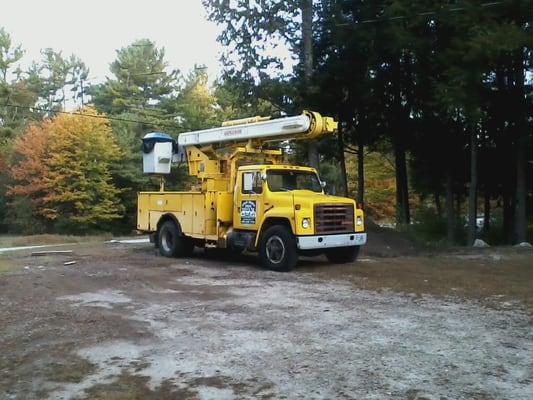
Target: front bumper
[327,241]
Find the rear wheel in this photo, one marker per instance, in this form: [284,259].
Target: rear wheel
[277,249]
[342,255]
[172,243]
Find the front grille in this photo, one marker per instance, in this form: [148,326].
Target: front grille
[333,218]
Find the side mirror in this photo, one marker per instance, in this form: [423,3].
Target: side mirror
[323,184]
[264,177]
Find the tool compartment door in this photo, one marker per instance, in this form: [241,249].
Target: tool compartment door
[187,213]
[143,212]
[198,218]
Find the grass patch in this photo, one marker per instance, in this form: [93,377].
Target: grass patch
[475,275]
[128,387]
[72,372]
[9,265]
[44,239]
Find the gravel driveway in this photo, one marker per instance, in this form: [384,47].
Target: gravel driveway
[124,323]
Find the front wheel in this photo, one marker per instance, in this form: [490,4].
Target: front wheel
[277,249]
[172,243]
[342,255]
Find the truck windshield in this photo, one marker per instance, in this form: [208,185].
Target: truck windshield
[285,180]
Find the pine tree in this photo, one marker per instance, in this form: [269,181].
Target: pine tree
[141,81]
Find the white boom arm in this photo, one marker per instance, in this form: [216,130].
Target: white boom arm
[303,126]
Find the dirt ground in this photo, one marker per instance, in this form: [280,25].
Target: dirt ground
[125,323]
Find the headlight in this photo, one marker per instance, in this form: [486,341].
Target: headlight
[359,221]
[306,223]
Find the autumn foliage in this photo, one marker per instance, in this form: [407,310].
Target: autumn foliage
[30,168]
[63,167]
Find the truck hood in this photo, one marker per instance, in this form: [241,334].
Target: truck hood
[309,197]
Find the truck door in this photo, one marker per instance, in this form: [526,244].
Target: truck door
[248,208]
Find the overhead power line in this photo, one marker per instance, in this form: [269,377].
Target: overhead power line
[423,14]
[149,73]
[166,124]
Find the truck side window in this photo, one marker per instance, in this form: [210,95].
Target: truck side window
[252,183]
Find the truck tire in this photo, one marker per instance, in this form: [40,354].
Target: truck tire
[342,255]
[277,249]
[172,243]
[154,239]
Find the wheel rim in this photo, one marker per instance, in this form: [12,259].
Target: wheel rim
[275,249]
[167,241]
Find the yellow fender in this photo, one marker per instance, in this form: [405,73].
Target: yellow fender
[285,214]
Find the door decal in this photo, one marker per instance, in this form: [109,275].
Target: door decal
[248,212]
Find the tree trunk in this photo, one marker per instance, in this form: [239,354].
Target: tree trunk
[402,192]
[307,62]
[508,217]
[307,38]
[82,99]
[450,212]
[521,193]
[438,205]
[520,224]
[312,154]
[342,160]
[486,212]
[472,190]
[508,193]
[506,155]
[360,174]
[400,116]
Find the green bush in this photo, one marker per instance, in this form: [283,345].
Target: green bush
[20,217]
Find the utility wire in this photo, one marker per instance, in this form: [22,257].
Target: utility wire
[169,125]
[423,14]
[150,73]
[152,111]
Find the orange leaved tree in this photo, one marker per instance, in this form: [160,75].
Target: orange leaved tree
[63,166]
[28,168]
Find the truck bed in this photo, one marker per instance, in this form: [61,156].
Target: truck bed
[196,212]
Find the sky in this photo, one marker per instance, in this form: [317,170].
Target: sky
[94,29]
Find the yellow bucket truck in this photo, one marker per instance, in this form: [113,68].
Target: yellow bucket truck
[245,197]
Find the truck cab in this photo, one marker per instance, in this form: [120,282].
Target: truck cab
[282,209]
